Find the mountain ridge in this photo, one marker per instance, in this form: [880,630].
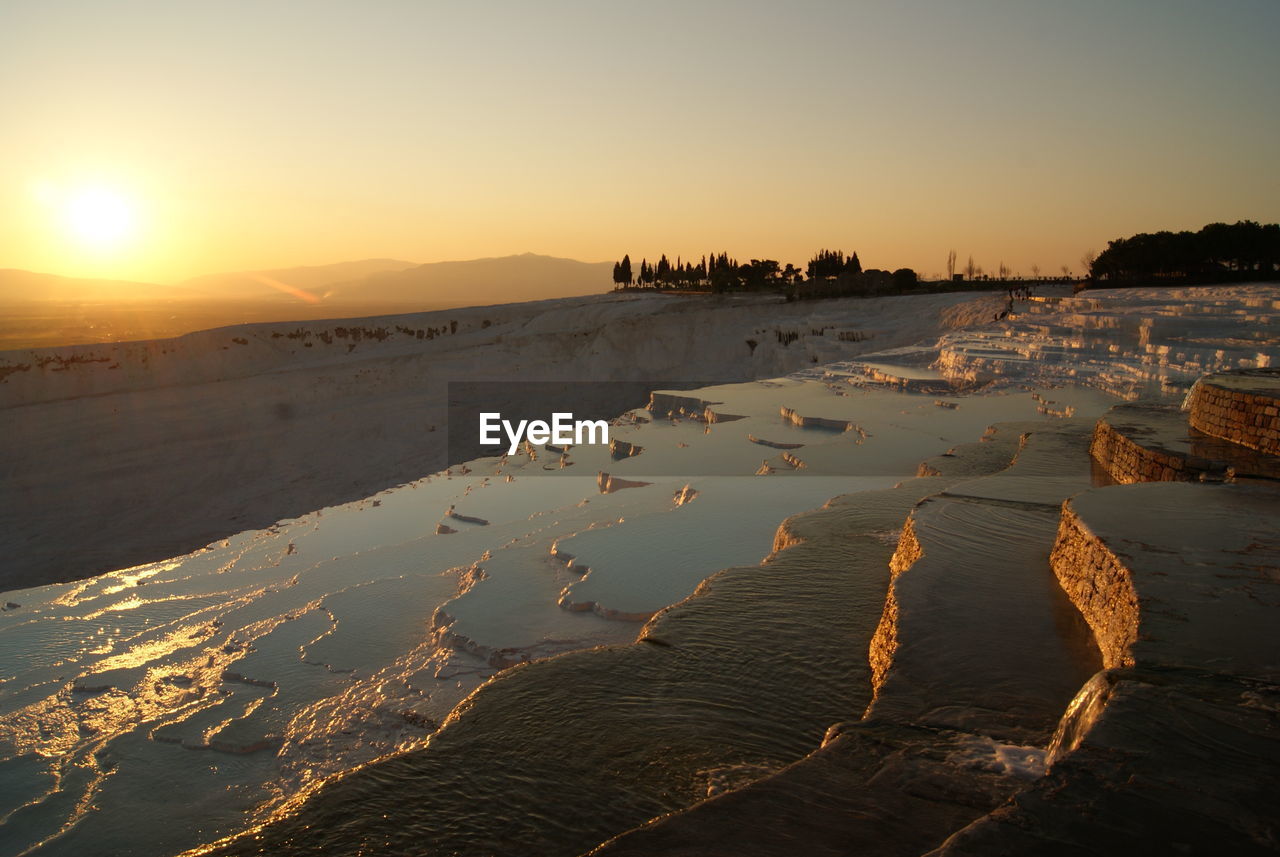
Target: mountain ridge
[523,276]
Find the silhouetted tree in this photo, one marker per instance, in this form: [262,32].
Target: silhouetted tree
[832,263]
[830,274]
[825,263]
[1087,260]
[1244,246]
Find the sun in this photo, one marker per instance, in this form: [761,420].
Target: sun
[99,218]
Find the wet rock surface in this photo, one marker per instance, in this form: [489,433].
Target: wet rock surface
[716,681]
[960,717]
[875,789]
[1154,443]
[1177,575]
[1174,749]
[1242,407]
[1132,342]
[105,442]
[1176,763]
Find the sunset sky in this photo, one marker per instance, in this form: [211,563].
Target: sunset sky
[161,140]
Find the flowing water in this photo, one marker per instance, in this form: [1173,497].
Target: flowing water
[242,675]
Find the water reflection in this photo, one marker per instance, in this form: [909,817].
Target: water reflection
[241,674]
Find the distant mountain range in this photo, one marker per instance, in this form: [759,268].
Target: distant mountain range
[315,280]
[369,282]
[505,279]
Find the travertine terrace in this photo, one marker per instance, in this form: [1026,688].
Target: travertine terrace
[986,648]
[1150,442]
[1134,343]
[1242,407]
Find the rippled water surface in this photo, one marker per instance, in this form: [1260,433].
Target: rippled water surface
[240,675]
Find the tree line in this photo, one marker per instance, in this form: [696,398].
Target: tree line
[828,273]
[1240,250]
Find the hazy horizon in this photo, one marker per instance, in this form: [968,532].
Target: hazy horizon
[156,143]
[45,310]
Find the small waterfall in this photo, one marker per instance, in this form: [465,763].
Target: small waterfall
[1186,401]
[1080,716]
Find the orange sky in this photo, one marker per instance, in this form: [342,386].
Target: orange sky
[250,135]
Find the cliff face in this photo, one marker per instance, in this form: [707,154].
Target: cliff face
[1177,576]
[1100,586]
